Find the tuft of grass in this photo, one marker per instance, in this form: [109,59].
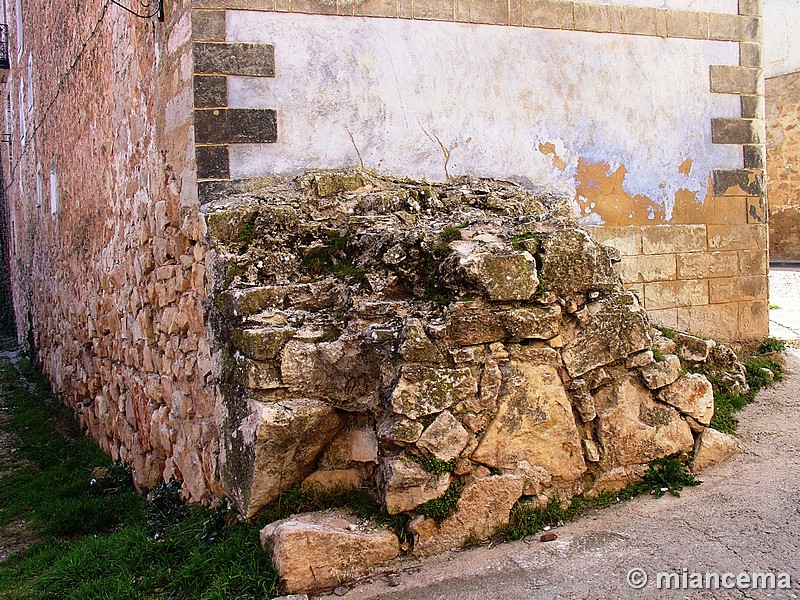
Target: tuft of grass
[439,296]
[444,505]
[435,465]
[770,345]
[247,233]
[657,355]
[516,241]
[669,473]
[450,234]
[728,403]
[668,333]
[527,518]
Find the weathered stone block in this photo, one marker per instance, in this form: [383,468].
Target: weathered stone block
[473,323]
[740,182]
[404,485]
[445,438]
[425,390]
[700,265]
[736,131]
[534,422]
[693,395]
[669,294]
[333,480]
[633,429]
[236,125]
[617,328]
[726,79]
[628,240]
[212,162]
[286,438]
[642,269]
[416,346]
[572,263]
[730,289]
[741,237]
[548,14]
[398,429]
[208,25]
[533,323]
[315,551]
[502,277]
[693,348]
[660,374]
[210,91]
[483,508]
[667,239]
[254,60]
[711,448]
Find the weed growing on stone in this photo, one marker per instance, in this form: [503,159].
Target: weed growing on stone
[771,344]
[667,474]
[760,371]
[517,240]
[435,465]
[444,505]
[248,231]
[668,333]
[528,518]
[657,355]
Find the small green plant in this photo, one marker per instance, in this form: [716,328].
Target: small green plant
[542,287]
[435,465]
[444,505]
[517,240]
[657,356]
[667,332]
[331,334]
[771,344]
[247,233]
[439,296]
[669,473]
[450,234]
[774,306]
[165,507]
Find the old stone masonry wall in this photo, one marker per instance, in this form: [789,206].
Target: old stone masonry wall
[423,341]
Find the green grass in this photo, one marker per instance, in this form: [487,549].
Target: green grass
[727,403]
[435,465]
[96,541]
[103,541]
[444,505]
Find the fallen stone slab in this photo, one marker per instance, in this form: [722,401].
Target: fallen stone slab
[317,551]
[712,447]
[482,510]
[693,395]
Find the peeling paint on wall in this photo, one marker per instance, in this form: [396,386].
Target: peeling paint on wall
[432,100]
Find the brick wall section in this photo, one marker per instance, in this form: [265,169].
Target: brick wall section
[783,165]
[710,279]
[109,288]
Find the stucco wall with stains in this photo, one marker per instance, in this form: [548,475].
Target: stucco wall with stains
[645,113]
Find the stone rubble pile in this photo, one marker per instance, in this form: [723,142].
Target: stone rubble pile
[420,340]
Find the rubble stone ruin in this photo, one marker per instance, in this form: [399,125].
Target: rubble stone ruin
[417,340]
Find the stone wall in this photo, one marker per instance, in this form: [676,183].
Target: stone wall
[783,165]
[108,252]
[677,139]
[449,349]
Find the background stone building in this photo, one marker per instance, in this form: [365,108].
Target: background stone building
[782,71]
[647,113]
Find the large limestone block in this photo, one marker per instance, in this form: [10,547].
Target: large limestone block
[315,551]
[404,485]
[287,437]
[617,327]
[633,429]
[533,322]
[534,422]
[261,343]
[502,276]
[693,395]
[482,510]
[426,390]
[347,373]
[712,447]
[659,374]
[445,438]
[473,323]
[572,263]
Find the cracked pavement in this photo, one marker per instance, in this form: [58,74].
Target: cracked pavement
[745,517]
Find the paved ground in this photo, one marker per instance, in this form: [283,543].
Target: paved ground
[784,298]
[744,518]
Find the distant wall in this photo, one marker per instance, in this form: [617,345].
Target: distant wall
[782,68]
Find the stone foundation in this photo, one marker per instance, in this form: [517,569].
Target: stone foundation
[420,340]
